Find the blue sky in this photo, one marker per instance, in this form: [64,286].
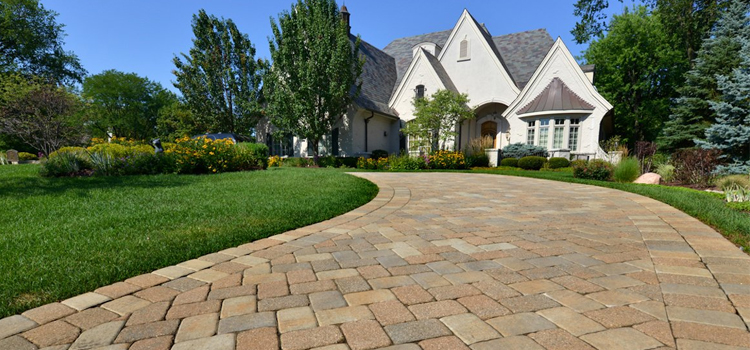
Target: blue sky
[142,36]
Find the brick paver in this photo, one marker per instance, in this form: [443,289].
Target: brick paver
[435,261]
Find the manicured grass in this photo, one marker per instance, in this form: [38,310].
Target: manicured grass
[707,207]
[60,237]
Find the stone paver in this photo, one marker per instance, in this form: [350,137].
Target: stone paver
[435,261]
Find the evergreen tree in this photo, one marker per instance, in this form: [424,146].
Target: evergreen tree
[731,131]
[315,69]
[220,78]
[719,55]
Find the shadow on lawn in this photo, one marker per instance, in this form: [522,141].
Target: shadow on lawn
[21,187]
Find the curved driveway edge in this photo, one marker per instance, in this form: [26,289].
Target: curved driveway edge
[435,261]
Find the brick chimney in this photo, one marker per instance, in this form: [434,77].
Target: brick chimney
[345,15]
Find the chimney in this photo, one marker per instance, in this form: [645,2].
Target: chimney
[345,17]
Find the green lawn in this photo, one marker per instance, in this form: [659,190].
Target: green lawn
[709,208]
[60,237]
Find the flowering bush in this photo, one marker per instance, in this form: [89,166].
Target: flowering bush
[447,160]
[117,141]
[596,169]
[372,164]
[274,162]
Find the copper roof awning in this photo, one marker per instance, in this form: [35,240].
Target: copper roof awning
[556,97]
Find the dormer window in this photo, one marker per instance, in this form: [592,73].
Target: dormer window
[420,91]
[463,53]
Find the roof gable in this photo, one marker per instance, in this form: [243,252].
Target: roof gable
[556,97]
[422,60]
[523,52]
[402,49]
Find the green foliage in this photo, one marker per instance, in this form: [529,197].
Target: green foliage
[123,103]
[27,156]
[480,160]
[719,55]
[175,120]
[31,43]
[379,153]
[406,162]
[511,162]
[313,79]
[520,150]
[531,162]
[558,162]
[40,114]
[372,163]
[726,182]
[666,171]
[436,118]
[120,151]
[252,155]
[627,170]
[637,71]
[595,169]
[65,164]
[295,162]
[219,77]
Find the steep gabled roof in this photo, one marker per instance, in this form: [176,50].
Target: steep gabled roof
[556,97]
[523,52]
[520,53]
[441,73]
[378,79]
[401,49]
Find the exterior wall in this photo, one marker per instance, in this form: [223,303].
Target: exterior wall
[421,73]
[482,76]
[560,64]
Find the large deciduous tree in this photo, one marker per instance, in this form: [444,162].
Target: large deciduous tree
[719,55]
[220,78]
[123,103]
[635,71]
[731,131]
[31,43]
[316,65]
[437,118]
[41,114]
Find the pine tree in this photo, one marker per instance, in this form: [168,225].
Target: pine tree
[731,131]
[719,55]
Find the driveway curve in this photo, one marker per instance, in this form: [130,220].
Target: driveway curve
[435,261]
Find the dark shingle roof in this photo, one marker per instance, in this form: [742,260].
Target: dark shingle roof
[556,97]
[401,49]
[523,52]
[378,78]
[442,74]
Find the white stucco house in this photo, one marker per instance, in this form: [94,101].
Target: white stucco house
[523,87]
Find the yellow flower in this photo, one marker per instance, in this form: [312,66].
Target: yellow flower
[211,153]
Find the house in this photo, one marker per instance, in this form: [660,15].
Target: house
[523,88]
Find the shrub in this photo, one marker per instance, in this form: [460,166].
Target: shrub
[379,153]
[250,156]
[627,170]
[348,162]
[65,164]
[558,162]
[478,160]
[666,171]
[596,169]
[372,164]
[116,150]
[447,160]
[511,162]
[27,156]
[297,162]
[520,150]
[695,165]
[406,162]
[479,144]
[726,182]
[76,150]
[531,162]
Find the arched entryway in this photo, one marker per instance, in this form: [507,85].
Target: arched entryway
[489,121]
[489,129]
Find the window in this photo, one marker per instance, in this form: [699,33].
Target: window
[543,132]
[573,134]
[464,50]
[420,91]
[557,141]
[530,133]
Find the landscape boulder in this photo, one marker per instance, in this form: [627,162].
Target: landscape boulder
[649,179]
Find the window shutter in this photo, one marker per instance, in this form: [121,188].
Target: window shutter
[464,49]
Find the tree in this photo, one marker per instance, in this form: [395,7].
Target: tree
[437,118]
[635,72]
[719,55]
[43,115]
[31,42]
[731,131]
[315,69]
[220,78]
[123,103]
[176,120]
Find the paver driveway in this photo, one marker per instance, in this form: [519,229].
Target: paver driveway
[436,261]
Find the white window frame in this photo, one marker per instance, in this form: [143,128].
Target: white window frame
[464,50]
[531,133]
